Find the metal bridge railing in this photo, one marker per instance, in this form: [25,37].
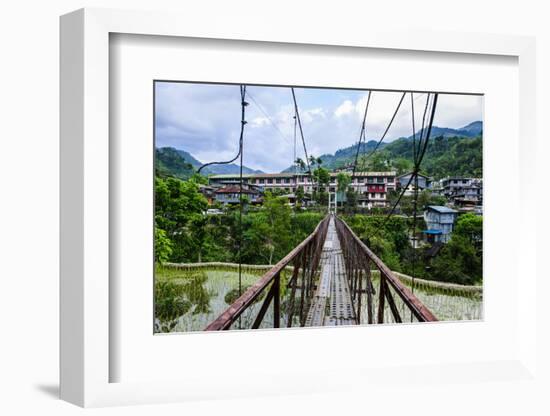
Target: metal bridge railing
[359,260]
[305,261]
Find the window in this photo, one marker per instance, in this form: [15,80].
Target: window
[278,180]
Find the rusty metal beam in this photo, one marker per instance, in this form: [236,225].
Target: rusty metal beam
[235,310]
[391,302]
[381,301]
[419,310]
[265,306]
[277,302]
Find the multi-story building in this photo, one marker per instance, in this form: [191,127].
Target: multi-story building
[229,194]
[440,222]
[463,191]
[424,182]
[372,187]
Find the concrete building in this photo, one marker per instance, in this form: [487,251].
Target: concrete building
[230,195]
[372,187]
[424,182]
[440,222]
[463,191]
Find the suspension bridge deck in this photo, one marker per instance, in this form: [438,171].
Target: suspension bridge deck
[332,304]
[330,268]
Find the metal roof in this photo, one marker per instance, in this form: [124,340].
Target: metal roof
[410,173]
[441,209]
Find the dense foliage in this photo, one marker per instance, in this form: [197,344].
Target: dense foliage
[445,156]
[169,162]
[458,261]
[184,233]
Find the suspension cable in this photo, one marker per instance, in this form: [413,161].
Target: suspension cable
[362,134]
[365,158]
[295,159]
[257,104]
[415,195]
[244,104]
[420,157]
[243,123]
[297,115]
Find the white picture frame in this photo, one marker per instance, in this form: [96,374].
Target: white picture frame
[85,353]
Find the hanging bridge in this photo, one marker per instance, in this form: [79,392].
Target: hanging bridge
[335,279]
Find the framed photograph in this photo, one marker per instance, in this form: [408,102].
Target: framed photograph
[241,208]
[265,234]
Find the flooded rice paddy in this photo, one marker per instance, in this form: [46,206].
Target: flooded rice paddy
[205,293]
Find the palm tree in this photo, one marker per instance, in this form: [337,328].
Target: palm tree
[343,180]
[301,164]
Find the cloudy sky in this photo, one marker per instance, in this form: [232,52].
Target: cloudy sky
[204,120]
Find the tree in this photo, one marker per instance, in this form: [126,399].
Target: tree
[457,262]
[163,246]
[300,195]
[199,179]
[301,164]
[377,162]
[342,183]
[179,207]
[351,199]
[426,197]
[268,232]
[322,176]
[402,165]
[388,239]
[470,226]
[343,180]
[315,161]
[197,228]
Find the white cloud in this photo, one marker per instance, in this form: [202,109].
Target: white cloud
[205,120]
[344,109]
[260,121]
[308,116]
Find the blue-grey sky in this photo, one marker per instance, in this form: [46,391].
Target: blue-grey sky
[204,120]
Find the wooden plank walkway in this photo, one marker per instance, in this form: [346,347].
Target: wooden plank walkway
[331,304]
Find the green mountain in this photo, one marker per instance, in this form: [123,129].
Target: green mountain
[450,152]
[181,164]
[169,162]
[188,157]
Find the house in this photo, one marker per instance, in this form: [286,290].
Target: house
[424,182]
[440,222]
[372,187]
[463,191]
[208,192]
[230,195]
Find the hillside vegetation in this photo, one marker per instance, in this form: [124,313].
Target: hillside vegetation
[450,152]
